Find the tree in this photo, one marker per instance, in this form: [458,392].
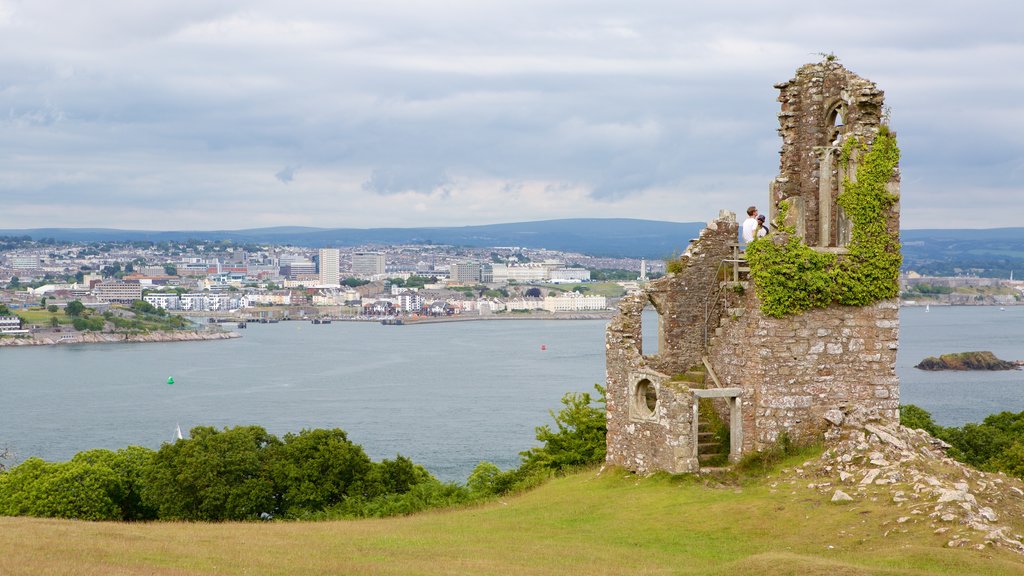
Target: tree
[315,469]
[74,308]
[170,270]
[580,436]
[214,475]
[533,292]
[14,282]
[52,308]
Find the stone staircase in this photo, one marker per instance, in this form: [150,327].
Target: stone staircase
[709,449]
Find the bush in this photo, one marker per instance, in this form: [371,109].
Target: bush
[580,436]
[214,475]
[316,469]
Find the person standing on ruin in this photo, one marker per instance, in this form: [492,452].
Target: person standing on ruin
[762,228]
[750,225]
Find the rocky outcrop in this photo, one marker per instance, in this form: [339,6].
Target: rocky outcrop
[105,338]
[967,361]
[909,469]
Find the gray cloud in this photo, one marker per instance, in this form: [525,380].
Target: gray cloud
[143,108]
[286,174]
[406,178]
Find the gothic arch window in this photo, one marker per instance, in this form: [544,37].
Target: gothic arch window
[835,121]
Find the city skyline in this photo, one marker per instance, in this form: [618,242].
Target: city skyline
[249,113]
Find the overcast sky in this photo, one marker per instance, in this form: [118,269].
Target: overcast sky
[195,114]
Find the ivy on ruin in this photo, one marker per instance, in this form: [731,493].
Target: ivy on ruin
[791,277]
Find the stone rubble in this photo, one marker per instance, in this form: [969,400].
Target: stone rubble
[910,468]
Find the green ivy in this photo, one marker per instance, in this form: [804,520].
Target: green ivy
[791,277]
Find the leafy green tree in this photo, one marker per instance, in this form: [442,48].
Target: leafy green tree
[170,270]
[579,439]
[5,311]
[316,469]
[532,292]
[214,475]
[52,308]
[396,476]
[144,307]
[74,308]
[913,416]
[14,283]
[129,464]
[82,490]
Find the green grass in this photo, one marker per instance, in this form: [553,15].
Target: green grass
[41,316]
[586,523]
[607,289]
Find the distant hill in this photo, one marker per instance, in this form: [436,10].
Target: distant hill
[992,252]
[616,237]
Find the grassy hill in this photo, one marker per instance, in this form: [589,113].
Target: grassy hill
[587,523]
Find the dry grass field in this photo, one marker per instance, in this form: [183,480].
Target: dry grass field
[587,523]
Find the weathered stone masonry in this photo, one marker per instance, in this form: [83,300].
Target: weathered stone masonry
[796,375]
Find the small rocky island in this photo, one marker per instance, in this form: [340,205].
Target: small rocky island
[968,361]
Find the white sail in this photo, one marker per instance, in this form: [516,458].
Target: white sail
[177,432]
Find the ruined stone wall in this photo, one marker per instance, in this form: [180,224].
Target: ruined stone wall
[822,106]
[794,370]
[641,438]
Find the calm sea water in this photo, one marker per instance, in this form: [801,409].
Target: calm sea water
[446,395]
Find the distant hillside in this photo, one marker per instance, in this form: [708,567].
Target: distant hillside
[618,237]
[992,252]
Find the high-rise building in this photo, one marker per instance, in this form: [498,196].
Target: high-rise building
[329,265]
[367,263]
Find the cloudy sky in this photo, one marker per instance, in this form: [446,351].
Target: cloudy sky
[194,114]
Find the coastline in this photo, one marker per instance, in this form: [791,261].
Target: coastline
[604,315]
[108,338]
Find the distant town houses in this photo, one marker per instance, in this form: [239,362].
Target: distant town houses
[210,277]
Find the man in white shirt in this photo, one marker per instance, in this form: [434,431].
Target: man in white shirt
[750,225]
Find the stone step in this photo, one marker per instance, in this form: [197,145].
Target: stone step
[713,469]
[703,446]
[706,457]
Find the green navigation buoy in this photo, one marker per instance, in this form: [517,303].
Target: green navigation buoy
[170,379]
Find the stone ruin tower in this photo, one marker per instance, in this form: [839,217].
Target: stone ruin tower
[719,362]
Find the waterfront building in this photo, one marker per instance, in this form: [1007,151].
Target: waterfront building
[11,325]
[165,300]
[575,302]
[118,292]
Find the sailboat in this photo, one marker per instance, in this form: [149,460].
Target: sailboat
[177,432]
[927,307]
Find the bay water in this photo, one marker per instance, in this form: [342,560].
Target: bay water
[447,395]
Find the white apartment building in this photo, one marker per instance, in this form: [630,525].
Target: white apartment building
[569,275]
[167,301]
[208,302]
[283,298]
[25,262]
[525,304]
[11,325]
[330,262]
[574,302]
[410,301]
